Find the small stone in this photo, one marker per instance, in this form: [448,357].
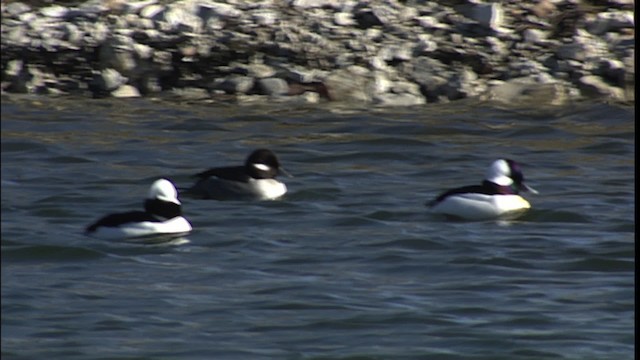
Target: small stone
[346,85]
[111,79]
[425,44]
[205,11]
[343,19]
[399,100]
[310,97]
[367,18]
[273,86]
[594,86]
[14,67]
[125,91]
[153,12]
[575,51]
[310,4]
[143,51]
[135,7]
[237,85]
[260,71]
[610,21]
[265,17]
[54,11]
[527,91]
[27,17]
[15,8]
[381,83]
[301,75]
[400,87]
[613,71]
[430,22]
[488,15]
[534,36]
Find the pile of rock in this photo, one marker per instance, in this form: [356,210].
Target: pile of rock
[386,52]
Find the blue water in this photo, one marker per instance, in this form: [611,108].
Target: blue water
[349,265]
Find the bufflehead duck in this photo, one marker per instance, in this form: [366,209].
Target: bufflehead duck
[497,196]
[162,217]
[254,180]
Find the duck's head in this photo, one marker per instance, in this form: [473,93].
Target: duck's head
[506,172]
[163,189]
[264,164]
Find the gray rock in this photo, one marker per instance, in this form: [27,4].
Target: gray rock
[136,7]
[309,97]
[109,80]
[265,17]
[348,85]
[260,71]
[343,19]
[575,51]
[527,91]
[399,100]
[488,15]
[613,71]
[237,85]
[399,52]
[366,18]
[272,86]
[311,4]
[18,77]
[403,86]
[431,22]
[425,45]
[299,75]
[534,36]
[462,85]
[381,83]
[594,86]
[143,51]
[177,18]
[125,91]
[209,9]
[610,21]
[154,12]
[27,17]
[54,11]
[15,8]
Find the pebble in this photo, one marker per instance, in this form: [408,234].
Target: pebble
[272,86]
[125,91]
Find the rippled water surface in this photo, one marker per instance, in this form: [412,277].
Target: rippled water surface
[349,265]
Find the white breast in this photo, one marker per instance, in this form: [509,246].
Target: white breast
[176,226]
[480,206]
[258,189]
[268,189]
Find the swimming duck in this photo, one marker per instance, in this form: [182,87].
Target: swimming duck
[162,217]
[256,179]
[497,196]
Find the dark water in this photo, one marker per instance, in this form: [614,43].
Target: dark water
[349,265]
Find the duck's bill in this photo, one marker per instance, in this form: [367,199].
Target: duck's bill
[282,171]
[528,188]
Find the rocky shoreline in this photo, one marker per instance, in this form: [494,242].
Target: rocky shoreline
[381,52]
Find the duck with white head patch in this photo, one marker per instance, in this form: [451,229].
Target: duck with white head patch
[497,196]
[255,180]
[162,217]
